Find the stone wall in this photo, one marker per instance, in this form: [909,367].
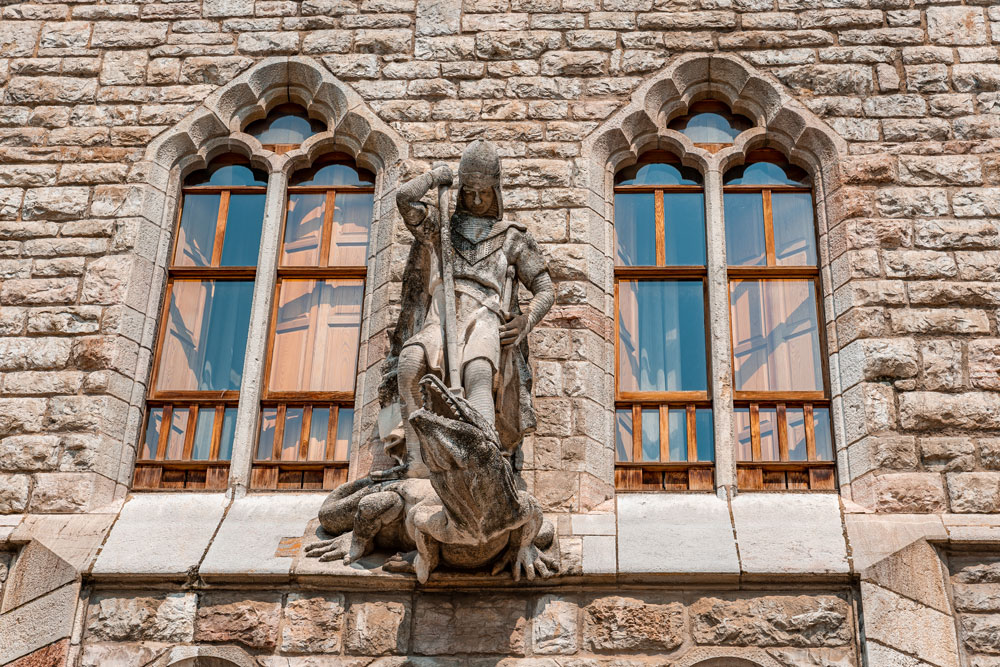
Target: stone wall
[542,629]
[975,587]
[908,95]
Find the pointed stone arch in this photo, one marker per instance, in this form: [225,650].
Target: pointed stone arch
[782,121]
[216,127]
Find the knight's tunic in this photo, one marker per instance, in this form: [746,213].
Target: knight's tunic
[480,270]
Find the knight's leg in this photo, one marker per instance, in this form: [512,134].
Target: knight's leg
[478,382]
[375,511]
[411,367]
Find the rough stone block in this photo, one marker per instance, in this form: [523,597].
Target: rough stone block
[647,624]
[312,623]
[469,624]
[772,620]
[138,617]
[554,626]
[974,492]
[378,626]
[241,618]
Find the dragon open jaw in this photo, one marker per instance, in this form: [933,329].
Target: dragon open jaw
[438,400]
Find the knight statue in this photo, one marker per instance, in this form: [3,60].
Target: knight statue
[456,391]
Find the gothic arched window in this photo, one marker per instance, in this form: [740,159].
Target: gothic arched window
[302,436]
[198,361]
[663,410]
[767,244]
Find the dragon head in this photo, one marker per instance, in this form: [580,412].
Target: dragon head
[451,431]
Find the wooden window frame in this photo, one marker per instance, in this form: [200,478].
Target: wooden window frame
[638,475]
[185,473]
[813,474]
[273,473]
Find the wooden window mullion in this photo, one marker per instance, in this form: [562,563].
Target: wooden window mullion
[326,236]
[189,432]
[165,424]
[755,431]
[807,420]
[782,426]
[769,229]
[661,233]
[220,228]
[279,433]
[664,433]
[692,434]
[304,436]
[331,432]
[637,433]
[220,415]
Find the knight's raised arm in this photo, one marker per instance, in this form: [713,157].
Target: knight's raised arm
[410,193]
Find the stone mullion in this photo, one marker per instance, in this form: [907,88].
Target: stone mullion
[251,388]
[720,353]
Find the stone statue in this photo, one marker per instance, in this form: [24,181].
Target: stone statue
[456,392]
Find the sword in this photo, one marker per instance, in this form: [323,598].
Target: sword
[452,363]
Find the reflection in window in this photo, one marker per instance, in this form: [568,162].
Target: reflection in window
[308,415]
[710,122]
[661,336]
[775,336]
[205,335]
[286,124]
[316,335]
[766,173]
[661,387]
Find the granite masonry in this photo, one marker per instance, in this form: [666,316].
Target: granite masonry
[891,106]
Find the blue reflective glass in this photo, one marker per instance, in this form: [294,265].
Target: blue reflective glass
[333,175]
[623,435]
[765,173]
[206,335]
[196,234]
[744,214]
[705,434]
[228,434]
[202,446]
[243,227]
[677,428]
[823,434]
[796,438]
[658,173]
[236,175]
[151,440]
[684,228]
[794,233]
[651,435]
[635,229]
[710,128]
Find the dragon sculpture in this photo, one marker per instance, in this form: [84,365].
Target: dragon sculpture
[444,519]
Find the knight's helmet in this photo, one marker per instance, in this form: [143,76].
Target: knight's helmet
[481,163]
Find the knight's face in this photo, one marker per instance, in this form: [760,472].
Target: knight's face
[477,197]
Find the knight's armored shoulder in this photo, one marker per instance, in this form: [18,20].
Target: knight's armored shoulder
[527,257]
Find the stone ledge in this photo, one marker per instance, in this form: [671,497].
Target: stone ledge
[161,534]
